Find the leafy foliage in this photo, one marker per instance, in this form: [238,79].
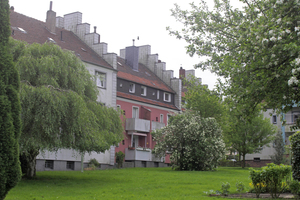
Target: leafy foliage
[272,177]
[277,158]
[10,123]
[295,147]
[94,162]
[120,158]
[195,143]
[225,188]
[256,49]
[248,133]
[59,107]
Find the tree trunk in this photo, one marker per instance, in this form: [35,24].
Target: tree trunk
[243,163]
[29,163]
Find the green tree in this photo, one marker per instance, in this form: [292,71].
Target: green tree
[249,133]
[10,123]
[195,142]
[59,107]
[209,103]
[295,146]
[256,48]
[278,157]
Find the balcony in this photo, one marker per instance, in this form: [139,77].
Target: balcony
[138,154]
[288,125]
[157,125]
[135,124]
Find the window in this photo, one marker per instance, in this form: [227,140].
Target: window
[143,91]
[131,87]
[100,79]
[274,119]
[256,159]
[49,164]
[167,97]
[157,94]
[168,118]
[135,112]
[70,165]
[295,116]
[161,118]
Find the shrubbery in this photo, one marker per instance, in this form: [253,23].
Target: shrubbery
[271,178]
[295,145]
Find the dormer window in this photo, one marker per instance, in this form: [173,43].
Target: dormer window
[167,97]
[100,79]
[131,87]
[143,91]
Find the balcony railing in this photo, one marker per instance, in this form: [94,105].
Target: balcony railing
[135,124]
[138,154]
[157,125]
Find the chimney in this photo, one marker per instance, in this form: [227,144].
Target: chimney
[181,73]
[132,57]
[51,19]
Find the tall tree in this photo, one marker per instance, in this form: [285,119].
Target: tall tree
[248,134]
[256,48]
[59,107]
[278,157]
[195,142]
[10,123]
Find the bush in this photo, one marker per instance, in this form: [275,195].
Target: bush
[195,142]
[225,188]
[272,177]
[120,158]
[94,163]
[295,188]
[295,147]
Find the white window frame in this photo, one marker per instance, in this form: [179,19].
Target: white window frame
[100,83]
[169,95]
[131,87]
[143,90]
[161,120]
[135,110]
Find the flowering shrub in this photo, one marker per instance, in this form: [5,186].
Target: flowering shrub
[195,143]
[270,178]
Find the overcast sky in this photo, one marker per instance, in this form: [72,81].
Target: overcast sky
[120,21]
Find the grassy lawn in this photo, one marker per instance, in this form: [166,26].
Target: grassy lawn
[130,183]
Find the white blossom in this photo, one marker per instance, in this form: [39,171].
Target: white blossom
[265,40]
[279,1]
[279,38]
[273,39]
[277,75]
[271,32]
[294,71]
[297,61]
[293,80]
[278,20]
[297,28]
[284,97]
[273,55]
[287,31]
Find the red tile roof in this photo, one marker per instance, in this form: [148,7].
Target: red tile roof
[144,100]
[143,76]
[36,32]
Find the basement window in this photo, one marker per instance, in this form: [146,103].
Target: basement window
[49,164]
[256,159]
[71,165]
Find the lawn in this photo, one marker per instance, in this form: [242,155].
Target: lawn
[130,183]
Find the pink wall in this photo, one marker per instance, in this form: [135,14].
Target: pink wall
[155,113]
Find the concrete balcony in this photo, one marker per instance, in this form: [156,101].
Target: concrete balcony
[288,126]
[136,154]
[157,125]
[134,124]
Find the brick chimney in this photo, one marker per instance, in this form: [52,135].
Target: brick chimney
[132,57]
[181,73]
[51,19]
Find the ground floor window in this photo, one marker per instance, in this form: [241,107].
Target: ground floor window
[70,165]
[49,164]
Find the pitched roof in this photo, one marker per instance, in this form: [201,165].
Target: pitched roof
[144,100]
[36,32]
[143,76]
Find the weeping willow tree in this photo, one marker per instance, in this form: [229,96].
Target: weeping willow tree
[59,107]
[10,124]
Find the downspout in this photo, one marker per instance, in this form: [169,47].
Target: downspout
[283,127]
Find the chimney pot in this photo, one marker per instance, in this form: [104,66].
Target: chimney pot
[50,5]
[95,29]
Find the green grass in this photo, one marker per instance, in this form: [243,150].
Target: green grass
[131,183]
